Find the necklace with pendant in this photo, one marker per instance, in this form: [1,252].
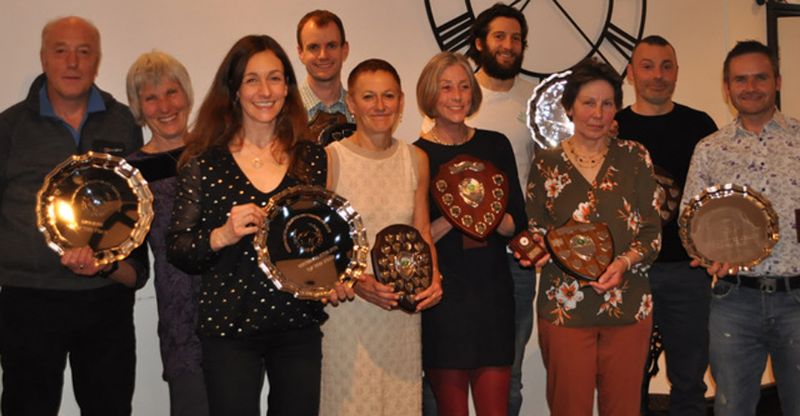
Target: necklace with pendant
[587,161]
[259,160]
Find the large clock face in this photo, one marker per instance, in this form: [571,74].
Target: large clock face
[562,32]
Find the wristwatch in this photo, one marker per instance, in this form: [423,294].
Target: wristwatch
[105,273]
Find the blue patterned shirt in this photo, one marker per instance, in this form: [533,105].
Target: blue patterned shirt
[766,162]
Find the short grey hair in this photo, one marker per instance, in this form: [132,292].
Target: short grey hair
[153,68]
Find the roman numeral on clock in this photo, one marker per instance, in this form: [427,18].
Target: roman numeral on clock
[617,46]
[621,40]
[453,35]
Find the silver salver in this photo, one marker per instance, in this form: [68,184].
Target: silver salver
[95,200]
[547,118]
[311,239]
[729,224]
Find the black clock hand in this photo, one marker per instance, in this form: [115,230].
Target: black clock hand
[572,21]
[578,28]
[521,8]
[453,34]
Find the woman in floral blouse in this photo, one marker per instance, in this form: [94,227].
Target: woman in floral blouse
[595,335]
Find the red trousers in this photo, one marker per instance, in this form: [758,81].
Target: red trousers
[608,359]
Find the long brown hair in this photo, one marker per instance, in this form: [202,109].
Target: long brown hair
[220,115]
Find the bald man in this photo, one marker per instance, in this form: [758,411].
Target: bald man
[681,294]
[54,308]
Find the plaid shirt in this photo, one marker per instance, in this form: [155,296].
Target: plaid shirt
[313,105]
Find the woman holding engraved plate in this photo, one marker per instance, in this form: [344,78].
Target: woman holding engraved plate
[595,334]
[372,352]
[160,97]
[468,340]
[246,147]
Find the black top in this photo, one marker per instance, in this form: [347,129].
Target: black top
[236,298]
[670,139]
[473,326]
[176,291]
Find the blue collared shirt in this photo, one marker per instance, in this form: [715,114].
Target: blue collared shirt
[95,105]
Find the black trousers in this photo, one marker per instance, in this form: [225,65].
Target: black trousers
[41,329]
[681,301]
[234,373]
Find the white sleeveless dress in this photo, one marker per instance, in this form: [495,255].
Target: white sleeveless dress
[371,358]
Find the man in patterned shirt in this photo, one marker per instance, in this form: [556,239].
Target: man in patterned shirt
[323,49]
[755,313]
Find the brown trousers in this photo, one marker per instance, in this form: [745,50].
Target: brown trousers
[580,360]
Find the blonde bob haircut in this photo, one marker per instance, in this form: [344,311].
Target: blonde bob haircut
[428,83]
[153,68]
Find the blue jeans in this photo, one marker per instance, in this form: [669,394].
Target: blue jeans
[745,326]
[524,292]
[681,296]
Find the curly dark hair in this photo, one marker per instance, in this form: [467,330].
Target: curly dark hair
[480,28]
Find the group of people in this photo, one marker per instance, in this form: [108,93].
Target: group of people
[223,325]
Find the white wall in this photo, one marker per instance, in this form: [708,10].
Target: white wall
[199,32]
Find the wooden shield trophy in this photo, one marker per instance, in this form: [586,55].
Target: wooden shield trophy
[472,194]
[401,259]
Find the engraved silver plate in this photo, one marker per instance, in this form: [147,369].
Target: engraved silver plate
[729,224]
[96,200]
[311,239]
[547,118]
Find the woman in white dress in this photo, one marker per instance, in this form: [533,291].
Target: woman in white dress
[371,351]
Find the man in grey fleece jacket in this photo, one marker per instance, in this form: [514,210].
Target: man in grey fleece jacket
[54,308]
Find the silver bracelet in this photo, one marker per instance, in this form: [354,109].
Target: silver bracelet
[626,260]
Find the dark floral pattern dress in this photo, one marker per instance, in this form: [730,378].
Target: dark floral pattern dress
[623,196]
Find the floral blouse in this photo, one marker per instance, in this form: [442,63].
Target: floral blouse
[624,197]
